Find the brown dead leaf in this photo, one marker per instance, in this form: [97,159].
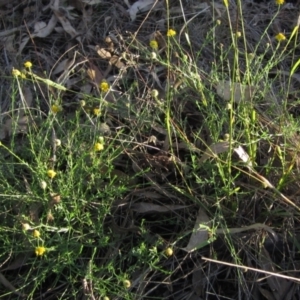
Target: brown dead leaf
[144,207]
[94,73]
[240,92]
[200,233]
[102,52]
[116,61]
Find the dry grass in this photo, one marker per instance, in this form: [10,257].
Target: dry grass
[109,215]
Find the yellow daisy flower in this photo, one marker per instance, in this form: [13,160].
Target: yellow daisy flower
[36,233]
[15,72]
[104,86]
[169,252]
[171,32]
[39,251]
[280,37]
[96,111]
[51,173]
[98,147]
[28,64]
[56,108]
[153,44]
[279,2]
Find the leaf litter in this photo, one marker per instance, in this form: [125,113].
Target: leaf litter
[162,170]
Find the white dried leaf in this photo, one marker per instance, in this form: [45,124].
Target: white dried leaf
[243,155]
[200,233]
[214,149]
[65,23]
[240,92]
[62,66]
[140,6]
[42,30]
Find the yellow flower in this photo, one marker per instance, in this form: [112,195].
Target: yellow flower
[169,252]
[104,86]
[98,147]
[23,75]
[127,283]
[279,2]
[96,111]
[51,173]
[39,251]
[153,44]
[171,32]
[36,233]
[15,72]
[280,37]
[226,3]
[28,64]
[56,108]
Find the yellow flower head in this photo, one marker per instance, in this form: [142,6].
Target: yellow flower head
[36,233]
[127,283]
[98,147]
[39,251]
[280,37]
[15,72]
[153,44]
[171,32]
[104,86]
[226,3]
[169,252]
[96,111]
[51,173]
[56,108]
[279,2]
[28,64]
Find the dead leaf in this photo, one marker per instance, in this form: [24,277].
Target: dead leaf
[116,61]
[62,66]
[94,73]
[200,233]
[102,52]
[65,23]
[240,92]
[40,30]
[198,282]
[140,6]
[92,2]
[9,127]
[213,150]
[9,286]
[144,207]
[278,286]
